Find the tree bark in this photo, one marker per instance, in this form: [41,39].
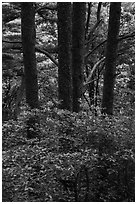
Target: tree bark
[78,37]
[29,58]
[111,56]
[64,55]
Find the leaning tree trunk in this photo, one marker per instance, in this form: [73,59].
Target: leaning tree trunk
[29,59]
[64,55]
[111,55]
[78,36]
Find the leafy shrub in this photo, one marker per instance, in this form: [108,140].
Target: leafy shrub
[75,157]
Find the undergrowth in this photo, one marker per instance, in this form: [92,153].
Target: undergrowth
[75,157]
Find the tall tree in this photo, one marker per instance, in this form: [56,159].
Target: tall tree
[78,37]
[64,55]
[111,56]
[29,57]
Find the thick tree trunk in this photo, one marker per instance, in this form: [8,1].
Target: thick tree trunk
[111,55]
[78,36]
[29,58]
[64,55]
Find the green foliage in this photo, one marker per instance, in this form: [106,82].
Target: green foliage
[53,165]
[45,168]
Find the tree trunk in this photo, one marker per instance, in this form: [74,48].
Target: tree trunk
[64,55]
[78,36]
[20,94]
[111,55]
[29,58]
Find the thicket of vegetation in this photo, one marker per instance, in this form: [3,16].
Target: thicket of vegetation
[72,153]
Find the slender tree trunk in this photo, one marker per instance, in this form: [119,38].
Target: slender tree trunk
[64,55]
[29,59]
[20,94]
[111,55]
[78,37]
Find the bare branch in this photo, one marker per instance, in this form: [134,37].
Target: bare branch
[95,48]
[92,30]
[96,24]
[47,54]
[122,37]
[38,49]
[50,49]
[85,85]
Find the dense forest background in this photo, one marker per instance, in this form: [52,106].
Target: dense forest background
[68,102]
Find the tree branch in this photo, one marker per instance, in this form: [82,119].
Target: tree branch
[98,11]
[92,30]
[85,85]
[38,49]
[7,41]
[53,20]
[7,56]
[51,49]
[47,49]
[96,24]
[95,48]
[53,8]
[88,17]
[47,54]
[123,37]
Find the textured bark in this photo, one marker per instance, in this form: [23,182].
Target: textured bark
[29,58]
[78,36]
[64,55]
[111,55]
